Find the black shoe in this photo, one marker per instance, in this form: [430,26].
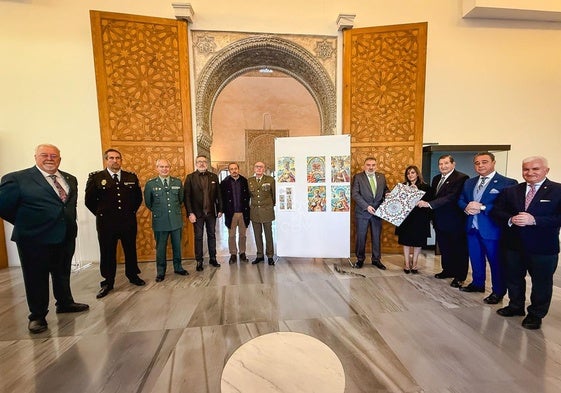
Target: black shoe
[472,288]
[104,291]
[233,259]
[200,266]
[406,271]
[532,322]
[37,326]
[257,260]
[414,271]
[510,312]
[442,275]
[379,265]
[159,278]
[214,263]
[72,307]
[243,257]
[182,272]
[493,298]
[271,261]
[456,283]
[358,264]
[137,281]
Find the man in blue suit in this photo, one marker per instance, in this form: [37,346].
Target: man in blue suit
[477,200]
[41,204]
[530,215]
[368,191]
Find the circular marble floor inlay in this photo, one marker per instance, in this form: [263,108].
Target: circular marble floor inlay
[283,362]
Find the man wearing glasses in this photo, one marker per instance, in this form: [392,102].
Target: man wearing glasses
[203,203]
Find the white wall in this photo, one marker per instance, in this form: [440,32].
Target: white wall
[496,82]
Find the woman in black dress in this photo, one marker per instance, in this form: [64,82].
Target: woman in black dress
[415,229]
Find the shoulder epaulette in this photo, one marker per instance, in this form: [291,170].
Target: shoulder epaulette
[93,173]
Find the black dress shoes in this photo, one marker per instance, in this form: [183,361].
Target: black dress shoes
[233,259]
[358,264]
[532,322]
[37,326]
[243,257]
[442,275]
[199,266]
[257,260]
[159,278]
[214,263]
[406,271]
[72,307]
[137,281]
[493,298]
[271,261]
[414,271]
[104,291]
[472,288]
[456,283]
[379,265]
[182,272]
[510,312]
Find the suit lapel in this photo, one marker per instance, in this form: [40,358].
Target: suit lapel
[40,179]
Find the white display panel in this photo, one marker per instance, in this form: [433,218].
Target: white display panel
[313,205]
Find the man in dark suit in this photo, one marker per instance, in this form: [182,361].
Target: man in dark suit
[477,200]
[449,221]
[368,191]
[235,200]
[530,215]
[164,195]
[113,195]
[262,190]
[41,204]
[203,203]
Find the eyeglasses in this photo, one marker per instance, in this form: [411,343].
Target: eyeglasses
[51,156]
[201,161]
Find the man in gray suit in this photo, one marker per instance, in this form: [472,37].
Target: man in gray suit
[163,195]
[368,191]
[41,204]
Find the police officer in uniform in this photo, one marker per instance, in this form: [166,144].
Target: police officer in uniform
[262,212]
[114,196]
[163,195]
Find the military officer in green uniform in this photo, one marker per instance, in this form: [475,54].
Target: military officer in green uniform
[262,212]
[163,195]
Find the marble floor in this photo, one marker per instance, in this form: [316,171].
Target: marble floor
[387,331]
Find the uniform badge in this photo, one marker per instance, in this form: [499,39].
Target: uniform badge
[103,182]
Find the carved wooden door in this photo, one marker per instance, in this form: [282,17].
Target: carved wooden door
[142,77]
[383,102]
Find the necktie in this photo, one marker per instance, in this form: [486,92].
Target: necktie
[372,184]
[482,183]
[530,195]
[116,178]
[165,183]
[259,180]
[61,193]
[440,183]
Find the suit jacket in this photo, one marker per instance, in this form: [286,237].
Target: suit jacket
[193,198]
[361,193]
[165,204]
[263,194]
[29,202]
[542,238]
[226,187]
[488,229]
[447,215]
[113,204]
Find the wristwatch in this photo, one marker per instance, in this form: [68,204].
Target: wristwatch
[483,207]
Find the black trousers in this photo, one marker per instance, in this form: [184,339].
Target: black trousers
[541,269]
[208,221]
[38,261]
[453,253]
[108,235]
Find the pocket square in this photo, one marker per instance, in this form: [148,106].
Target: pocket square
[545,200]
[494,191]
